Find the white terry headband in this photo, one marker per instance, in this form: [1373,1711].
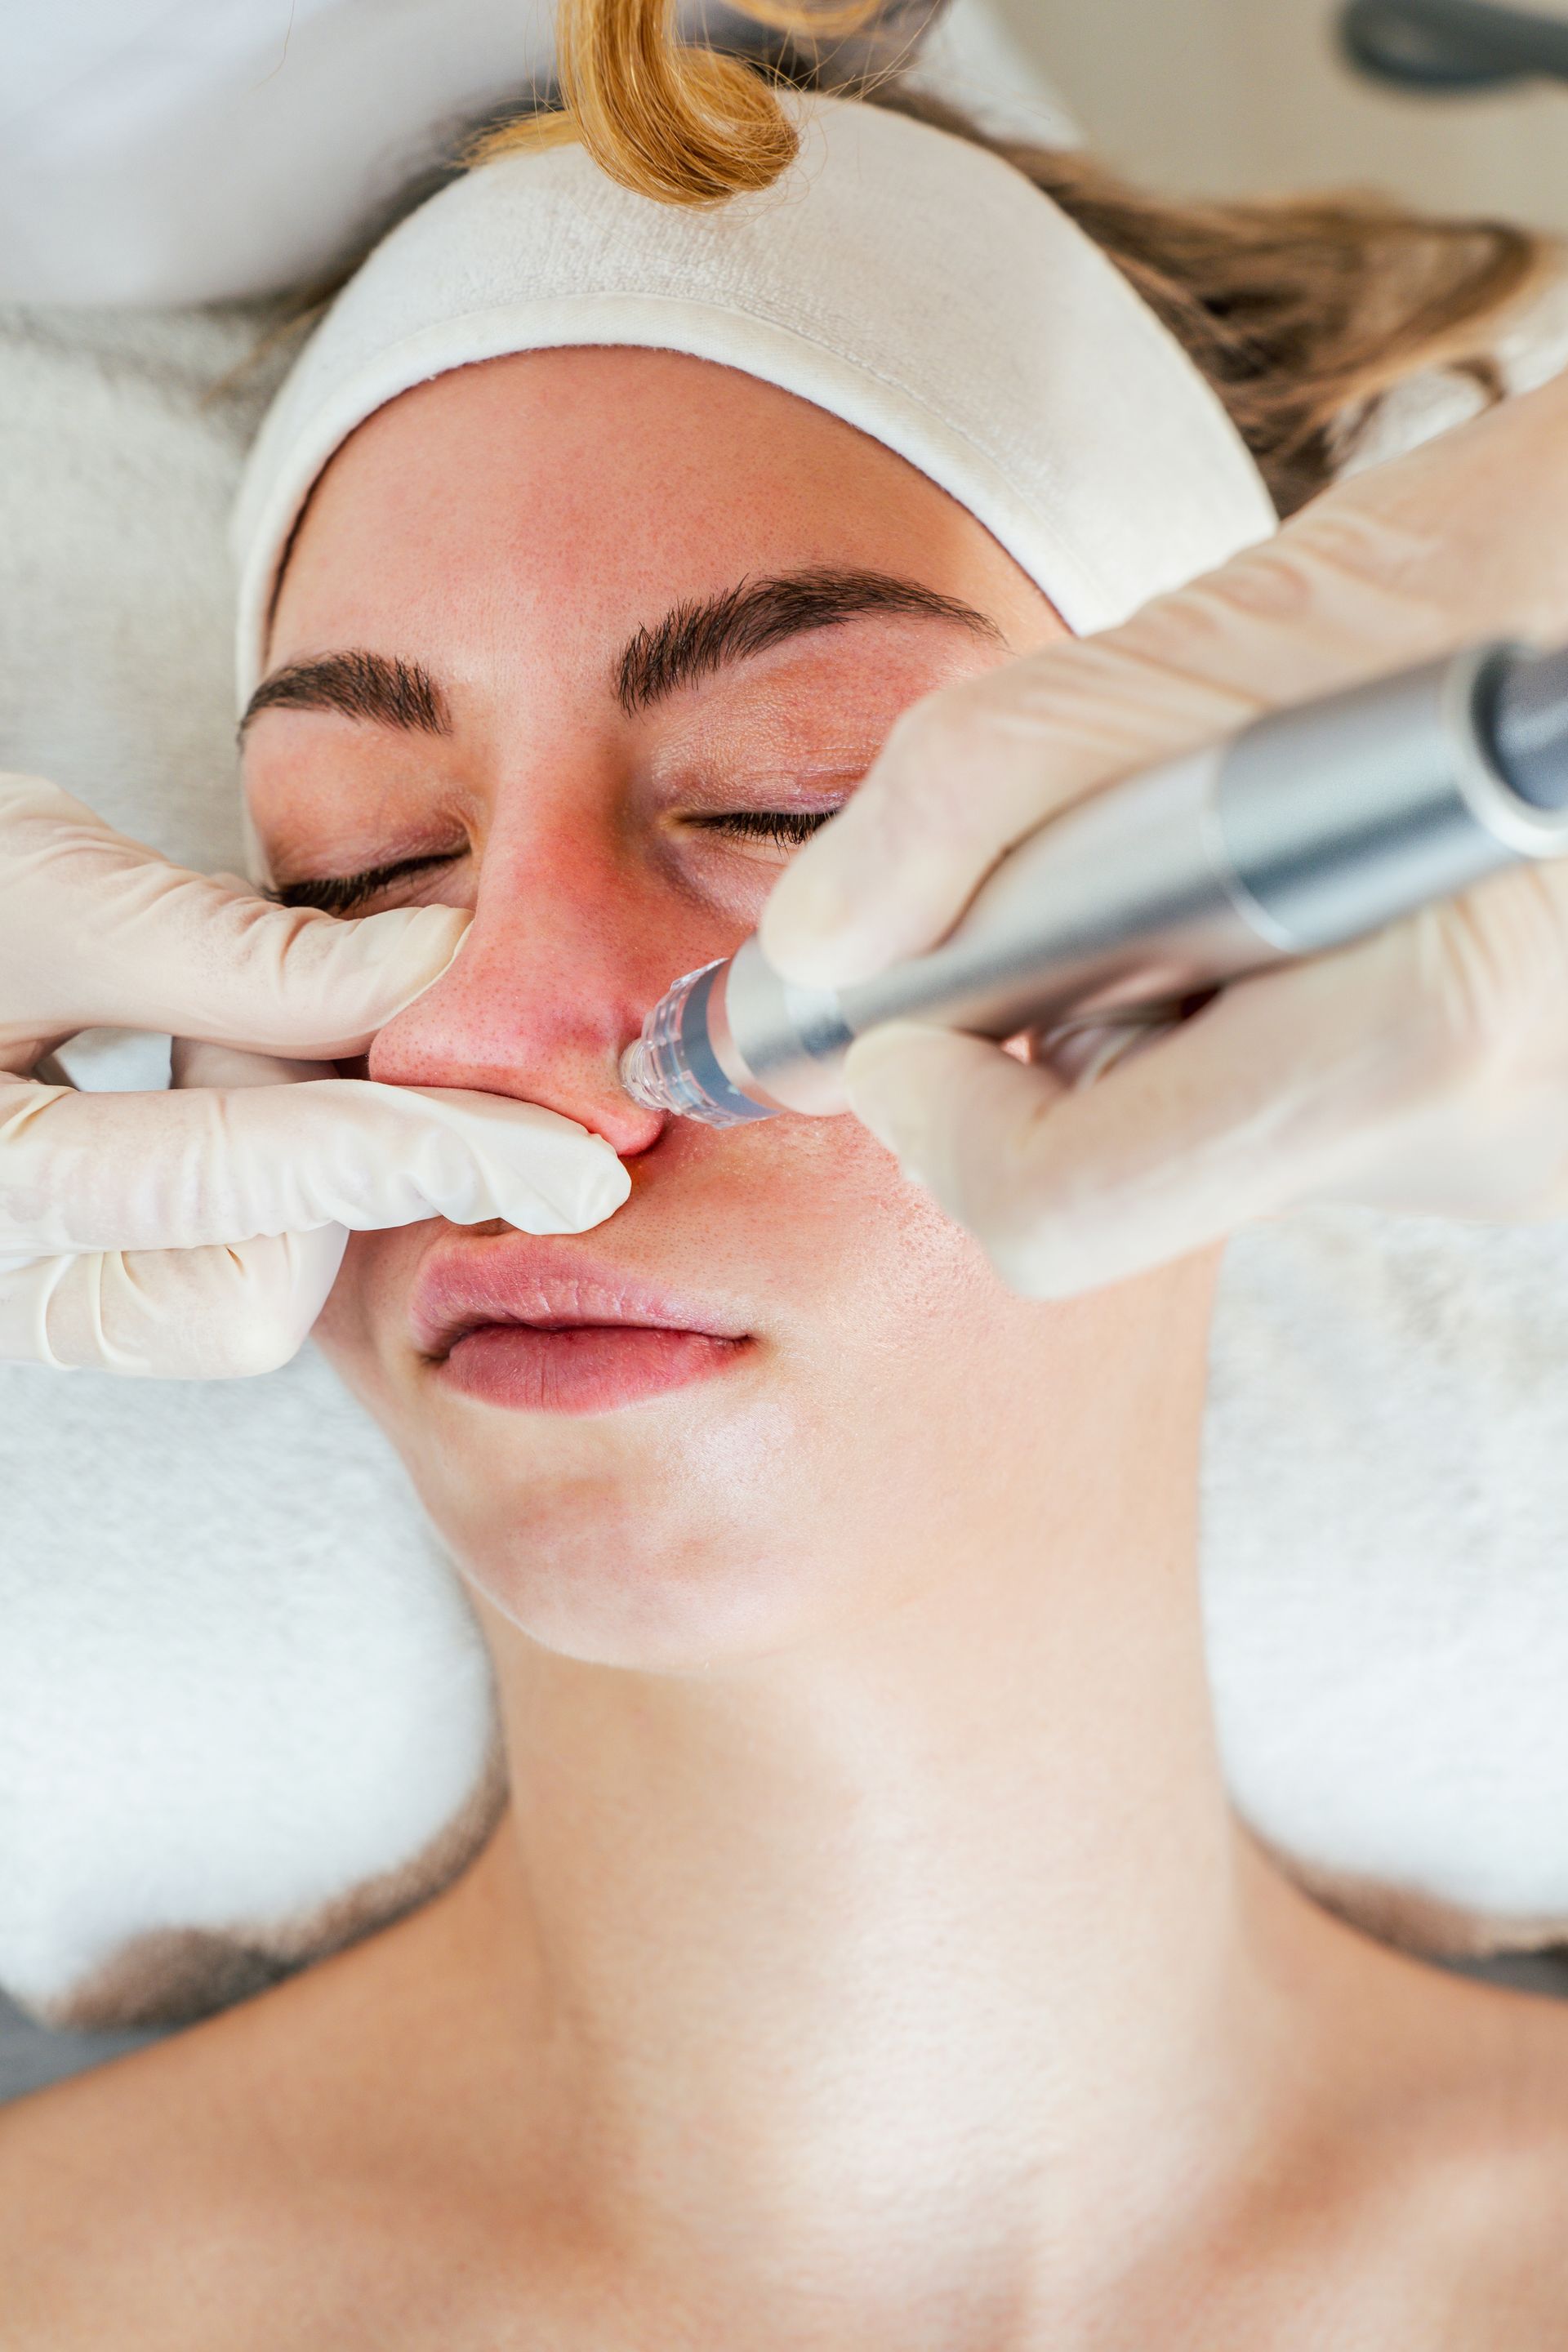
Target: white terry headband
[910,283]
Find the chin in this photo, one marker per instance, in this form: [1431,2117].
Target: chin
[665,1535]
[618,1580]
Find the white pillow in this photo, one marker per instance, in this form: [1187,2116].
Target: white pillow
[244,1712]
[241,1696]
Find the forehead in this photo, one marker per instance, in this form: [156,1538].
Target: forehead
[562,493]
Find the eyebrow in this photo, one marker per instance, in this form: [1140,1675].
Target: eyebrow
[380,688]
[695,639]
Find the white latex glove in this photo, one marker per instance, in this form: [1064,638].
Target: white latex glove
[197,1232]
[1423,1070]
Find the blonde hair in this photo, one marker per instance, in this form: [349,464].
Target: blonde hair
[683,123]
[1302,312]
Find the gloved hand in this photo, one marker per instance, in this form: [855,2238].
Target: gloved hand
[198,1232]
[1423,1069]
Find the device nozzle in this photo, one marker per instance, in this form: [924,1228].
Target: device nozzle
[640,1077]
[662,1070]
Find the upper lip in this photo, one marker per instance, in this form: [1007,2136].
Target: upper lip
[467,1280]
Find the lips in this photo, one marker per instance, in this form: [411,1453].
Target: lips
[533,1325]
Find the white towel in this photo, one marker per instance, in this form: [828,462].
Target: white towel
[240,1693]
[240,1697]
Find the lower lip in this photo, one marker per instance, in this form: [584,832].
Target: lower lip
[588,1368]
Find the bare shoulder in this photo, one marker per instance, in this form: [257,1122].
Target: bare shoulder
[267,2177]
[116,2190]
[1428,2204]
[1484,2228]
[221,2187]
[1528,2177]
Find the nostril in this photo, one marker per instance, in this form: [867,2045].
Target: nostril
[624,1146]
[629,1127]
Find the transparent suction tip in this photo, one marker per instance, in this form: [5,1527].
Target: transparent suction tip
[671,1067]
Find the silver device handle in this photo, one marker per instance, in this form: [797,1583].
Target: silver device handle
[1314,826]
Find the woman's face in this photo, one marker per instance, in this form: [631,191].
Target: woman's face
[583,641]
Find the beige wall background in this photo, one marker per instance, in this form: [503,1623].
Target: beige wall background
[1242,95]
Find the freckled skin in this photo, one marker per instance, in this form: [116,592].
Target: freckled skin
[508,528]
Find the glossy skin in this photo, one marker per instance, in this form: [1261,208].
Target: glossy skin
[721,1518]
[869,1958]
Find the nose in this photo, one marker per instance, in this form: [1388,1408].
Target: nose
[560,963]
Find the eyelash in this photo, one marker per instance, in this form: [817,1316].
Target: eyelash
[340,893]
[788,827]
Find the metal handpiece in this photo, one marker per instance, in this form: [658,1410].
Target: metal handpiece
[1312,827]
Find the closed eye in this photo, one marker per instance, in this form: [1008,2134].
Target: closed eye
[341,894]
[344,894]
[788,827]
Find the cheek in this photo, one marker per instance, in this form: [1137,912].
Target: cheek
[883,1319]
[852,1247]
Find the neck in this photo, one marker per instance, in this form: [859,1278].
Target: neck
[897,1952]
